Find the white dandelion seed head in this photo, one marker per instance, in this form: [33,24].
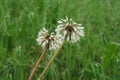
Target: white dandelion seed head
[56,41]
[53,41]
[42,37]
[70,28]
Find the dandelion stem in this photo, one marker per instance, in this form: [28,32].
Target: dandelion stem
[51,60]
[37,64]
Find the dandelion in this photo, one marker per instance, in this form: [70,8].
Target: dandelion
[55,41]
[51,41]
[43,37]
[70,29]
[47,41]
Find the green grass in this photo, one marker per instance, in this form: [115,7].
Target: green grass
[95,57]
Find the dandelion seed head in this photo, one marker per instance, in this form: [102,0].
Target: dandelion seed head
[52,41]
[70,28]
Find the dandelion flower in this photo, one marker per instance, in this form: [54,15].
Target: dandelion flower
[51,41]
[70,30]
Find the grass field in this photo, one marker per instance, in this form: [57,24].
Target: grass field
[94,57]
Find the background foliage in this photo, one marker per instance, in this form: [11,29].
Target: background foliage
[95,57]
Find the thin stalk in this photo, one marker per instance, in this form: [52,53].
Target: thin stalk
[37,64]
[51,60]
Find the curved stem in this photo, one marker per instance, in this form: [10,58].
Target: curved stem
[51,60]
[37,64]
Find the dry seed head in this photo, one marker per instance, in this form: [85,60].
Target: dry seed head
[51,41]
[70,29]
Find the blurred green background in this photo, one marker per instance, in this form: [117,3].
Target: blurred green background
[94,57]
